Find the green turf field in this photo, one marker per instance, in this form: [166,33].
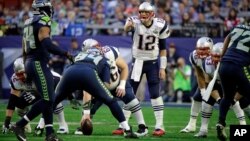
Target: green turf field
[175,119]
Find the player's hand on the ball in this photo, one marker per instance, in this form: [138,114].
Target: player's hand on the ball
[75,104]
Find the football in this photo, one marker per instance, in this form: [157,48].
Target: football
[87,127]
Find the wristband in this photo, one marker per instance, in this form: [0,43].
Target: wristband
[86,112]
[122,84]
[163,63]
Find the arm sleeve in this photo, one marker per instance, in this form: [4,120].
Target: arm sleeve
[162,44]
[47,43]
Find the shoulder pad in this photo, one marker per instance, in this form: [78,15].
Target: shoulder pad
[111,52]
[164,28]
[193,59]
[45,20]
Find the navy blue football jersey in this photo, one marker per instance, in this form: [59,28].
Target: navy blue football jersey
[31,44]
[239,47]
[97,62]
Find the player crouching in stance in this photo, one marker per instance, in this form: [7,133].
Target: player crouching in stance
[91,73]
[203,46]
[24,94]
[119,87]
[209,69]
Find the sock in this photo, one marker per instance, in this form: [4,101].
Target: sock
[125,125]
[41,123]
[195,110]
[223,110]
[135,108]
[35,110]
[239,113]
[60,116]
[127,114]
[247,111]
[48,117]
[206,113]
[158,108]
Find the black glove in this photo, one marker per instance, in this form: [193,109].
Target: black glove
[70,57]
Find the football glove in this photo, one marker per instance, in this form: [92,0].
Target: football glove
[29,97]
[75,104]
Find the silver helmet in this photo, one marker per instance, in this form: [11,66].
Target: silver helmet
[203,47]
[18,65]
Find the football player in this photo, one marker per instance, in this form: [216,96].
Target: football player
[37,46]
[234,72]
[203,46]
[120,87]
[149,45]
[24,94]
[208,67]
[91,73]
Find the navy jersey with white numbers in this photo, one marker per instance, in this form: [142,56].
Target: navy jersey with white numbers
[95,61]
[31,44]
[239,47]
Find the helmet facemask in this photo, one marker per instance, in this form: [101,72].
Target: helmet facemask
[203,52]
[146,13]
[146,17]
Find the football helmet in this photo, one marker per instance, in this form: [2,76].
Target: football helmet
[203,47]
[216,52]
[89,43]
[19,68]
[44,7]
[146,12]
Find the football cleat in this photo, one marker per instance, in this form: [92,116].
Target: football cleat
[158,132]
[118,131]
[78,131]
[62,130]
[201,134]
[19,132]
[52,137]
[38,131]
[142,130]
[221,132]
[188,129]
[130,134]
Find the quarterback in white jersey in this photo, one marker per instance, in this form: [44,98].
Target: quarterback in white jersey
[149,45]
[23,94]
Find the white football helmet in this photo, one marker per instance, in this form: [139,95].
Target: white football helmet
[146,12]
[89,43]
[18,67]
[203,47]
[216,52]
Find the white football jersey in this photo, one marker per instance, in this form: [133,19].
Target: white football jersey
[194,60]
[146,40]
[209,67]
[112,53]
[20,85]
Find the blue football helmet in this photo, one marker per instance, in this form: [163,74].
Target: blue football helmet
[43,7]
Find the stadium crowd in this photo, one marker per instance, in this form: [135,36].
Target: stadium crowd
[189,18]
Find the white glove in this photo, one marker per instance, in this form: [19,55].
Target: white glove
[29,97]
